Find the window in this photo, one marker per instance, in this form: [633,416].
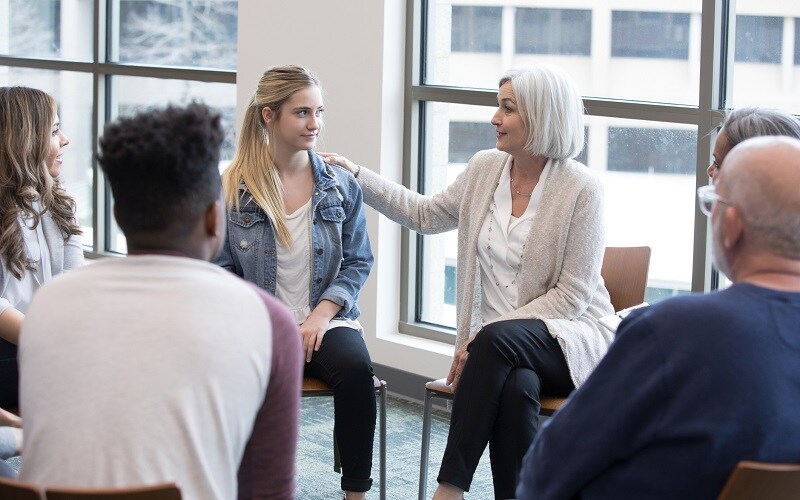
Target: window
[759,39]
[149,52]
[467,138]
[650,150]
[652,35]
[450,285]
[553,31]
[476,29]
[651,120]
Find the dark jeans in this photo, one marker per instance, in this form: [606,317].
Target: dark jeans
[343,362]
[496,402]
[9,375]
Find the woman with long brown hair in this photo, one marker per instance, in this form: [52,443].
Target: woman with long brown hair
[38,230]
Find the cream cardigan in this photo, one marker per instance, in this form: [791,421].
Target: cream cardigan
[559,278]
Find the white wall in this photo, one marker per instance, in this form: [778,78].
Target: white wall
[356,47]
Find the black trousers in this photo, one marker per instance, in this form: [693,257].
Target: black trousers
[344,363]
[9,375]
[510,364]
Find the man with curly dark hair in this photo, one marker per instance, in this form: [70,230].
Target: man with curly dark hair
[161,367]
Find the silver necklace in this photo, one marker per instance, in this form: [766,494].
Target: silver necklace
[515,189]
[492,208]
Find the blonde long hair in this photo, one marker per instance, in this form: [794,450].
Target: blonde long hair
[253,163]
[26,120]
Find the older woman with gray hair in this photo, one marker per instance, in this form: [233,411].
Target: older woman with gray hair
[744,123]
[529,291]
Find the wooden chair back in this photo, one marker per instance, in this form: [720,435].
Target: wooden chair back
[760,480]
[11,489]
[625,272]
[154,492]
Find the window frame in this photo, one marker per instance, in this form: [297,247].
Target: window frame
[716,67]
[103,71]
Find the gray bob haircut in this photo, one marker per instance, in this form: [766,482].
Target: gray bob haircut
[552,109]
[744,123]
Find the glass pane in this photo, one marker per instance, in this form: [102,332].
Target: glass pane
[766,69]
[134,94]
[192,33]
[648,172]
[650,54]
[73,93]
[47,28]
[454,132]
[648,169]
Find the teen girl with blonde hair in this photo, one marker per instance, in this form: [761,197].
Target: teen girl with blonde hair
[296,228]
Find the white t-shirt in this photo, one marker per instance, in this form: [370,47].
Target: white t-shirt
[501,243]
[183,345]
[293,283]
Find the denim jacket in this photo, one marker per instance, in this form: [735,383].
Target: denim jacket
[340,250]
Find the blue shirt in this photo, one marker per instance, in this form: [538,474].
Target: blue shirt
[340,247]
[690,387]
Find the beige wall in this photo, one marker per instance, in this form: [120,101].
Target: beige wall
[356,47]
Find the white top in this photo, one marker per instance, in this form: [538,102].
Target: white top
[501,243]
[293,283]
[197,348]
[20,292]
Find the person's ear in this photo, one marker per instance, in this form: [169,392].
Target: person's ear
[268,116]
[733,227]
[215,219]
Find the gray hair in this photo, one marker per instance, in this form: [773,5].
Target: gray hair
[744,123]
[551,106]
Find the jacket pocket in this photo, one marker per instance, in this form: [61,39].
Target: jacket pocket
[244,229]
[332,214]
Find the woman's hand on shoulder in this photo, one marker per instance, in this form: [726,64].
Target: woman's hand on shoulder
[337,159]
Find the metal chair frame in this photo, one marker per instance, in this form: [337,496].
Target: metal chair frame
[313,387]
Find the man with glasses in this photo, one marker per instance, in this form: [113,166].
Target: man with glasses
[695,384]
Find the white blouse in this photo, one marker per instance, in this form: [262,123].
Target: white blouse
[501,243]
[20,292]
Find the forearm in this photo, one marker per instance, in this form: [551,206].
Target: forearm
[326,310]
[11,324]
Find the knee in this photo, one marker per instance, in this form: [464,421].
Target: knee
[522,384]
[355,369]
[492,334]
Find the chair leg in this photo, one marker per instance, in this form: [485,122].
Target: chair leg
[426,441]
[382,439]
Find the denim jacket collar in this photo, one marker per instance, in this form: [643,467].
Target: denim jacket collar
[324,177]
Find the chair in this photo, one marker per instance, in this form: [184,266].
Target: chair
[624,272]
[155,492]
[757,480]
[11,489]
[314,387]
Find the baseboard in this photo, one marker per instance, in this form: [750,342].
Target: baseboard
[405,384]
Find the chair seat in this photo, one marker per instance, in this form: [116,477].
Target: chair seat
[316,387]
[441,389]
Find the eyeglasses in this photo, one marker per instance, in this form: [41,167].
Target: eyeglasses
[707,197]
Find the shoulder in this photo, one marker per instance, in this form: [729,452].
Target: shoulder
[489,156]
[679,317]
[277,311]
[576,174]
[332,173]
